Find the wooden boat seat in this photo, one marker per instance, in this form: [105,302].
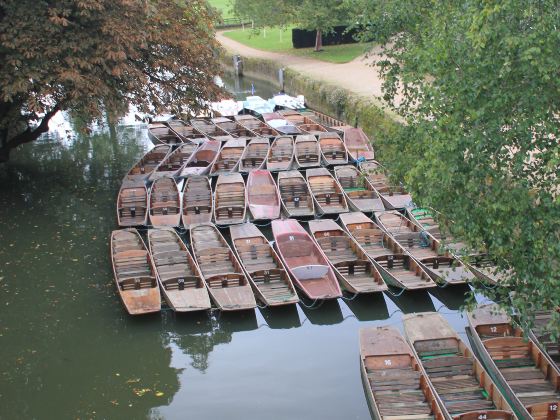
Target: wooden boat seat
[368,236]
[330,199]
[224,280]
[137,282]
[197,209]
[181,283]
[337,248]
[296,248]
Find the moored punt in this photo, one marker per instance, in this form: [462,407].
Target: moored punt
[281,154]
[485,269]
[229,199]
[198,201]
[160,133]
[312,128]
[326,192]
[201,160]
[254,156]
[133,272]
[332,149]
[186,132]
[132,205]
[228,157]
[354,270]
[393,196]
[397,267]
[147,163]
[358,145]
[209,129]
[305,261]
[307,153]
[527,378]
[359,193]
[394,383]
[265,270]
[464,389]
[262,196]
[550,347]
[258,127]
[177,273]
[248,121]
[295,195]
[425,219]
[227,284]
[439,263]
[164,203]
[171,165]
[292,116]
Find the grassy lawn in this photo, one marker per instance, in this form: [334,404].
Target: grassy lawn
[276,40]
[224,6]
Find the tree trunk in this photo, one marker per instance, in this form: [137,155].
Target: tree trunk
[319,41]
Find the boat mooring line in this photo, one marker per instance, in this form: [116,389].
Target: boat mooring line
[396,294]
[312,306]
[350,299]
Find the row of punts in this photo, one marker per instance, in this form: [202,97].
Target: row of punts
[432,374]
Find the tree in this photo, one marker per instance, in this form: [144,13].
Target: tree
[318,15]
[480,87]
[96,57]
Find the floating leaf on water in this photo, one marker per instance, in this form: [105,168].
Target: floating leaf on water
[159,394]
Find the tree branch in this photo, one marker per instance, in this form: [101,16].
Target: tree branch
[29,135]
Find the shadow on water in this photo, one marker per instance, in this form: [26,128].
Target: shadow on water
[328,313]
[451,296]
[413,301]
[370,307]
[282,317]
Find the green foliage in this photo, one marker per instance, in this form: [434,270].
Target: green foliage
[97,56]
[480,96]
[225,7]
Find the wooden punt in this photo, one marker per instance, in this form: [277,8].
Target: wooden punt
[463,387]
[542,338]
[265,270]
[397,267]
[393,196]
[227,284]
[258,127]
[228,157]
[172,164]
[254,156]
[332,149]
[236,130]
[147,163]
[209,129]
[358,145]
[160,133]
[186,131]
[395,385]
[132,205]
[305,261]
[326,191]
[484,267]
[229,199]
[292,116]
[265,130]
[527,378]
[307,153]
[296,198]
[359,193]
[262,196]
[134,273]
[354,270]
[198,201]
[312,128]
[281,154]
[425,219]
[178,275]
[165,203]
[440,264]
[201,161]
[248,121]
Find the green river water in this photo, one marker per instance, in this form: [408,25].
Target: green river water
[68,350]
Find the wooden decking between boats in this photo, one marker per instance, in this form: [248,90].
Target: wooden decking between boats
[178,275]
[398,268]
[305,261]
[266,272]
[254,156]
[171,165]
[394,383]
[281,154]
[201,160]
[134,273]
[262,196]
[393,196]
[358,145]
[458,379]
[228,157]
[147,163]
[360,195]
[227,283]
[132,205]
[527,378]
[229,199]
[159,133]
[198,201]
[165,203]
[295,195]
[307,153]
[354,270]
[326,191]
[332,149]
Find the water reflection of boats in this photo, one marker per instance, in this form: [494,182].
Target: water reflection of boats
[452,296]
[281,317]
[369,307]
[328,313]
[413,301]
